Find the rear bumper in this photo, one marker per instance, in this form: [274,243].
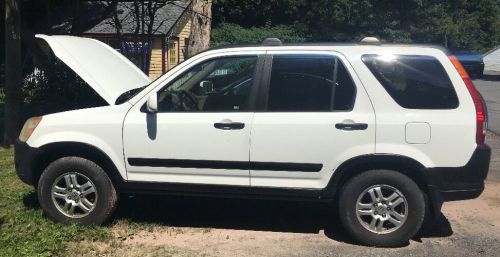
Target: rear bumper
[460,183]
[25,157]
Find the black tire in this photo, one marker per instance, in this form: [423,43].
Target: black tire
[357,185]
[104,204]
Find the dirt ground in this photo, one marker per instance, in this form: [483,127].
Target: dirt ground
[176,226]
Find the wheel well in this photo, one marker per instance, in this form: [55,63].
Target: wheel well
[54,151]
[409,167]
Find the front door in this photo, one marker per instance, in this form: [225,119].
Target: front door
[316,116]
[201,132]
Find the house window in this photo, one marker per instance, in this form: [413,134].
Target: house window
[185,48]
[173,57]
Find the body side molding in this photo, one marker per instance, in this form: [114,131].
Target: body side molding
[214,164]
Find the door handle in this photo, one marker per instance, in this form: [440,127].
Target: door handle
[229,125]
[351,126]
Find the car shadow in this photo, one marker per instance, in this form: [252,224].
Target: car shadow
[201,212]
[244,214]
[490,77]
[30,201]
[436,227]
[255,215]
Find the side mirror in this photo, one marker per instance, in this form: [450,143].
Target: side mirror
[152,103]
[207,86]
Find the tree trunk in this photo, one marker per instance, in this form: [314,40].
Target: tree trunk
[201,19]
[13,71]
[76,26]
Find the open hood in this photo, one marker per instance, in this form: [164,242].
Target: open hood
[107,71]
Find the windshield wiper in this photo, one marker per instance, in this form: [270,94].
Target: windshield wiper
[128,94]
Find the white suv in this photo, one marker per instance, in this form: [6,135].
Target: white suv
[385,131]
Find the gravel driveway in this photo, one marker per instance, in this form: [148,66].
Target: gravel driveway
[490,90]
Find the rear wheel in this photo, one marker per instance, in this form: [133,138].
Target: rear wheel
[74,189]
[381,208]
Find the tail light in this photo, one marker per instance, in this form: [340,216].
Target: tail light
[481,116]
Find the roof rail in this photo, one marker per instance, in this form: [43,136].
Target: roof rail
[271,41]
[370,41]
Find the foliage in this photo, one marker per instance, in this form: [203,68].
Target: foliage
[56,88]
[259,13]
[228,33]
[24,231]
[461,24]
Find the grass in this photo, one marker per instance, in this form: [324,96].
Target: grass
[24,230]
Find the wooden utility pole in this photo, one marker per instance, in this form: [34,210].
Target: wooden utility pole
[201,19]
[13,71]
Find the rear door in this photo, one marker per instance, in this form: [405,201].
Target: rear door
[316,114]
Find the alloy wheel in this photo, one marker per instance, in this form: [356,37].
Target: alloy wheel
[74,195]
[381,209]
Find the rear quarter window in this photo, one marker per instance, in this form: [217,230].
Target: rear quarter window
[413,81]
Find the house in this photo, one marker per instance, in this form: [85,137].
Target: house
[491,61]
[154,45]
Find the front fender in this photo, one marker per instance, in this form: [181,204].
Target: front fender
[111,148]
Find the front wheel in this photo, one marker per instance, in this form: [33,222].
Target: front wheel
[382,208]
[76,190]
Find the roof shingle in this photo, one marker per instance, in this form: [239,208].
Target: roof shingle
[165,18]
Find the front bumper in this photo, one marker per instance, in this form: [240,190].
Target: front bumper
[25,157]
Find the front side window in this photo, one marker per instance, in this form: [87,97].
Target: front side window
[413,81]
[222,84]
[310,83]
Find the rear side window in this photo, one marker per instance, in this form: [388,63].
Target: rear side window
[310,83]
[414,82]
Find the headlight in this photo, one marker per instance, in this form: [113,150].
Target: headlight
[29,127]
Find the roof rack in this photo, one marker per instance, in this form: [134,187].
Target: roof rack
[370,41]
[272,41]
